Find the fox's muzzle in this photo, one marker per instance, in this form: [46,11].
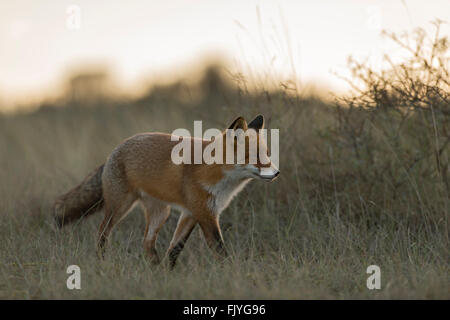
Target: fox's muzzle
[269,174]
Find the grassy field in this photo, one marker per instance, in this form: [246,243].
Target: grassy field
[362,182]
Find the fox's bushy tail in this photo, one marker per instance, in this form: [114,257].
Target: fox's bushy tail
[81,201]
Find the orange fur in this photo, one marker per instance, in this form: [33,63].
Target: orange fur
[141,170]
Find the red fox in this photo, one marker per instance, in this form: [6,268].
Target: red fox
[140,169]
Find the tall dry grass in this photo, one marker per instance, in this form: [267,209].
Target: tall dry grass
[363,182]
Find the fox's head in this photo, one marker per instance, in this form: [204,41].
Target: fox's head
[246,145]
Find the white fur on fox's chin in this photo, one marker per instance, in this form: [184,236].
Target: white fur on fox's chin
[268,172]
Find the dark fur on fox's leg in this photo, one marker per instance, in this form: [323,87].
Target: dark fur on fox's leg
[174,253]
[184,229]
[213,236]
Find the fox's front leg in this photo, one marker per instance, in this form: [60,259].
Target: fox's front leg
[213,235]
[186,224]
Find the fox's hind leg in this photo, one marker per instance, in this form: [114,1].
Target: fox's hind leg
[116,208]
[156,214]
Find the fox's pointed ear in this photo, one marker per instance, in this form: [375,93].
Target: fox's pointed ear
[238,123]
[257,123]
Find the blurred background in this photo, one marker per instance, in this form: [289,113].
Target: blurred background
[359,89]
[54,49]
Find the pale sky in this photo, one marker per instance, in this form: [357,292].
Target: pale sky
[143,40]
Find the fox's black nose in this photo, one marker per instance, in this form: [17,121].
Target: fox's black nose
[276,174]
